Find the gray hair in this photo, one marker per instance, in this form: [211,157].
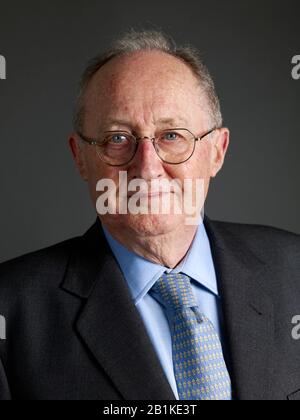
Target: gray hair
[146,41]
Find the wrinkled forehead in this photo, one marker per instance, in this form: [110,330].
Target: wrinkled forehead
[144,79]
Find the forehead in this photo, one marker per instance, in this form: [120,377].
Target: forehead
[145,82]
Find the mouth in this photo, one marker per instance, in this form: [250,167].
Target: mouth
[149,194]
[153,194]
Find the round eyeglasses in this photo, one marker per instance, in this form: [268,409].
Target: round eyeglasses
[173,146]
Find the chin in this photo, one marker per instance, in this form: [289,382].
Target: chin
[145,225]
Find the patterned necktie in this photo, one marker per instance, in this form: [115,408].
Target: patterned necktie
[198,361]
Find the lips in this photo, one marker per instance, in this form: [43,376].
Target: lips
[151,194]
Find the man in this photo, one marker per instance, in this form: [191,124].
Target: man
[148,306]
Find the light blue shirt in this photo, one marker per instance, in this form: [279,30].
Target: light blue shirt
[141,275]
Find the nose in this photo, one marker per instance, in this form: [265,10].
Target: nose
[146,164]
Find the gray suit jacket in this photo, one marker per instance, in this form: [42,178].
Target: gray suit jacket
[73,331]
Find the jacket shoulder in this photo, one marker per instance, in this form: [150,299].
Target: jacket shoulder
[265,241]
[257,230]
[38,265]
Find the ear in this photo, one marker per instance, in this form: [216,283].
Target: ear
[78,155]
[220,147]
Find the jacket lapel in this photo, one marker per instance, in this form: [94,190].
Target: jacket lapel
[247,309]
[110,324]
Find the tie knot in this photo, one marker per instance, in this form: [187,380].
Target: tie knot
[175,291]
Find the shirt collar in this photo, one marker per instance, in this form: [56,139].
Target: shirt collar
[142,274]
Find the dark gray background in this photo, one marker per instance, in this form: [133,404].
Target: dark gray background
[248,45]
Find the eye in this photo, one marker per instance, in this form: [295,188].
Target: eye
[170,136]
[117,139]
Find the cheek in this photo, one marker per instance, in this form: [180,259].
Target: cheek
[96,171]
[197,167]
[96,168]
[201,162]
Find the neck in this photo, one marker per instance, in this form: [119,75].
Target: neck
[167,248]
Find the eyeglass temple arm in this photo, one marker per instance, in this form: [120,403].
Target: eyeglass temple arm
[86,139]
[205,135]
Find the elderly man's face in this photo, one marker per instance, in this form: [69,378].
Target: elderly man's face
[144,93]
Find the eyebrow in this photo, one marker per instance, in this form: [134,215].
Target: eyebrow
[174,122]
